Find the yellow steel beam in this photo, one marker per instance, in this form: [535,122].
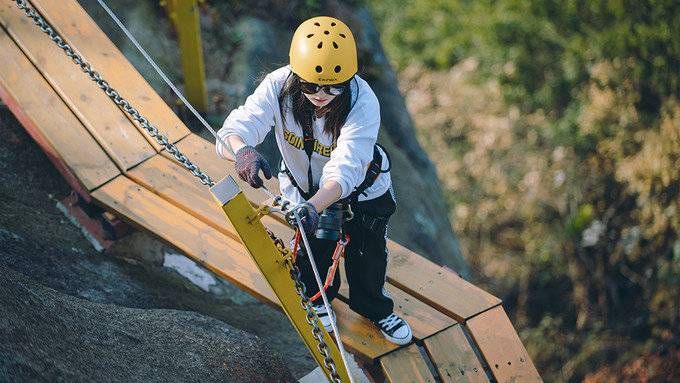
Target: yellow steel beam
[269,260]
[185,17]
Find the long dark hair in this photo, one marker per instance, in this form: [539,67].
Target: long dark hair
[335,112]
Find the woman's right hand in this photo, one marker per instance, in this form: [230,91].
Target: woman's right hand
[249,162]
[308,217]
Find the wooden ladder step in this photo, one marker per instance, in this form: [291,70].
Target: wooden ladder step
[440,288]
[72,149]
[423,319]
[83,33]
[406,365]
[124,143]
[202,152]
[501,347]
[454,358]
[169,179]
[216,251]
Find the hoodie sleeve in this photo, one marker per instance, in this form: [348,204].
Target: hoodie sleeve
[252,120]
[349,160]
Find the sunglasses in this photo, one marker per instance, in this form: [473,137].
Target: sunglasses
[331,90]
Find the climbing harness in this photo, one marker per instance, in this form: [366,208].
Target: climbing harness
[374,170]
[114,95]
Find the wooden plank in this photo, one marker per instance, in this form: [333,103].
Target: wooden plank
[454,358]
[175,183]
[501,347]
[359,334]
[202,152]
[120,139]
[423,319]
[78,28]
[436,286]
[219,253]
[43,114]
[406,366]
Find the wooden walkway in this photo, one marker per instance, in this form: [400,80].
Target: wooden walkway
[462,333]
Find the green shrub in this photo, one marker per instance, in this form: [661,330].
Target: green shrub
[555,128]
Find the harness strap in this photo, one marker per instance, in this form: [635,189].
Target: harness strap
[337,254]
[308,141]
[372,173]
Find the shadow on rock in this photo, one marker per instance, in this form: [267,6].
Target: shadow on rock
[47,335]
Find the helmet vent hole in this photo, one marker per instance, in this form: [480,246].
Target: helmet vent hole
[317,24]
[310,35]
[333,24]
[335,45]
[320,45]
[325,32]
[343,35]
[318,69]
[338,69]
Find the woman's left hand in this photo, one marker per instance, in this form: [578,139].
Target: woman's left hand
[249,162]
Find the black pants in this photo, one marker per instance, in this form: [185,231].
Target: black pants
[365,259]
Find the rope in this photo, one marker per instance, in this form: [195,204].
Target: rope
[160,72]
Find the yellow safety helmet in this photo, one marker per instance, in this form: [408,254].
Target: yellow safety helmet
[323,51]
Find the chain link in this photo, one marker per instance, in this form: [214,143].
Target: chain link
[306,305]
[114,95]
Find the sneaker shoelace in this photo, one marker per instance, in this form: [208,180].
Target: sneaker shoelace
[389,322]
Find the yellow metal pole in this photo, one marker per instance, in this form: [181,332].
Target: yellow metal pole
[185,17]
[272,265]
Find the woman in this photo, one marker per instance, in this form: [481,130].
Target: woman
[326,121]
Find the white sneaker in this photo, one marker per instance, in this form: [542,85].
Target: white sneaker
[324,317]
[395,329]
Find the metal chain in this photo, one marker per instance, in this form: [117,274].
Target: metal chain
[113,94]
[306,305]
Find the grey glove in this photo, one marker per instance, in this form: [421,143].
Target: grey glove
[308,216]
[249,162]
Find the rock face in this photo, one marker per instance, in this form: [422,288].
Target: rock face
[47,335]
[38,242]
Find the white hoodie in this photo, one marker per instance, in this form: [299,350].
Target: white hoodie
[345,164]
